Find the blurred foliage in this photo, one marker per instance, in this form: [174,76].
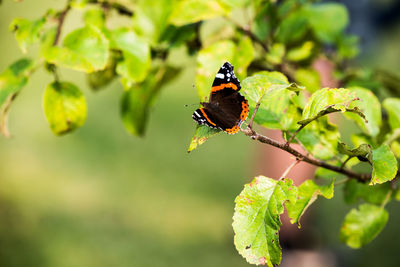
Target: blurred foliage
[273,45]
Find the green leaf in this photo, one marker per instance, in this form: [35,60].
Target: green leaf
[384,165]
[348,46]
[151,19]
[353,191]
[392,106]
[190,11]
[276,53]
[361,226]
[256,219]
[139,97]
[201,135]
[136,52]
[308,78]
[27,32]
[327,20]
[274,92]
[373,117]
[95,17]
[12,80]
[301,53]
[64,106]
[84,49]
[320,139]
[101,78]
[307,194]
[328,100]
[293,27]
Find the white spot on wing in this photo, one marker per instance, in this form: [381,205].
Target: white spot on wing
[220,76]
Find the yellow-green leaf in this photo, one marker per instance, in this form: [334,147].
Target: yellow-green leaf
[64,106]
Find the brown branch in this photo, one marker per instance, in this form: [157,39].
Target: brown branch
[361,177]
[61,18]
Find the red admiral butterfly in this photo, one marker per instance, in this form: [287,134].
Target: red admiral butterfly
[227,108]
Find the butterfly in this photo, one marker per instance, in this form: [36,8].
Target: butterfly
[227,109]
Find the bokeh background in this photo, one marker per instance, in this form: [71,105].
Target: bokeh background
[100,197]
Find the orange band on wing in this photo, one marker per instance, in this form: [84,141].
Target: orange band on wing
[207,118]
[222,86]
[243,117]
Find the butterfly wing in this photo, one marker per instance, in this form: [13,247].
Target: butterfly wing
[225,79]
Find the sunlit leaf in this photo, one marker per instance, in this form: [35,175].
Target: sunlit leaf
[95,17]
[320,138]
[64,106]
[84,49]
[151,18]
[256,219]
[361,226]
[328,100]
[308,78]
[274,92]
[300,53]
[12,80]
[27,32]
[384,165]
[201,135]
[136,53]
[190,11]
[307,194]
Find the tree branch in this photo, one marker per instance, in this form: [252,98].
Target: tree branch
[61,18]
[361,177]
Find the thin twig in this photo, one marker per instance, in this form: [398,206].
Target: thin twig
[61,18]
[254,113]
[387,198]
[362,177]
[286,172]
[295,133]
[344,162]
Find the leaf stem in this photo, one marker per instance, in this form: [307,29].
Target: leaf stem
[286,172]
[387,198]
[361,177]
[61,17]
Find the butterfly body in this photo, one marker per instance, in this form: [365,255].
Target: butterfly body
[227,109]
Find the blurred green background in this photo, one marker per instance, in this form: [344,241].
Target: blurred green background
[100,197]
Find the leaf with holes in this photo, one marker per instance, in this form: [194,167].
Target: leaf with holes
[328,100]
[307,194]
[256,220]
[373,117]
